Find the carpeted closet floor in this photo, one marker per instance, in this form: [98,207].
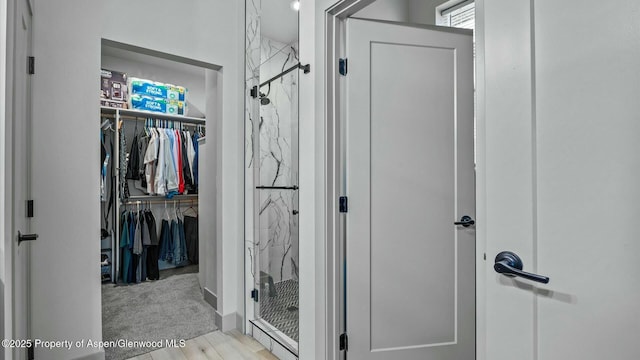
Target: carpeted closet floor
[169,308]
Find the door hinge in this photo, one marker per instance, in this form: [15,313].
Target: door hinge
[31,354]
[342,66]
[344,342]
[29,208]
[31,65]
[254,92]
[344,206]
[254,295]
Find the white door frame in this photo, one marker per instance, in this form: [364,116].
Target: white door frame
[334,44]
[334,26]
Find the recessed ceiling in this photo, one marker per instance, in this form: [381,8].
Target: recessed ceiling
[279,21]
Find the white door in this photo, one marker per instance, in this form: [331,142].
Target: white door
[21,122]
[410,175]
[560,169]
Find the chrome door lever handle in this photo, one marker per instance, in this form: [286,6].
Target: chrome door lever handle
[510,264]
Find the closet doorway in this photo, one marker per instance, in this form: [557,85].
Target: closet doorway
[158,257]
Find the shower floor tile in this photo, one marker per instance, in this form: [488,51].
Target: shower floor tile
[281,311]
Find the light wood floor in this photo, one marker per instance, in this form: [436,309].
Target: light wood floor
[214,346]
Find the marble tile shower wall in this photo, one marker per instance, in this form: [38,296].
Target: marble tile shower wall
[271,134]
[278,152]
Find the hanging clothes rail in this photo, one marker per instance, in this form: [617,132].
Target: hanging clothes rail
[184,199]
[127,114]
[159,201]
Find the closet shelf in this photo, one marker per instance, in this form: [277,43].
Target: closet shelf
[148,114]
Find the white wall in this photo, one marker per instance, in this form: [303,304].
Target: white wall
[67,33]
[311,344]
[392,10]
[206,233]
[424,11]
[413,11]
[210,273]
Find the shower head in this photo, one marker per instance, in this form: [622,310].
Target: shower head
[264,100]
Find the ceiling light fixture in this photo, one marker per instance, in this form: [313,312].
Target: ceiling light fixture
[295,5]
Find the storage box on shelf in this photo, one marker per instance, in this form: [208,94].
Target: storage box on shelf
[113,89]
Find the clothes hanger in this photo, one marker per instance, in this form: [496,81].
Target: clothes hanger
[178,214]
[195,212]
[107,125]
[135,129]
[146,128]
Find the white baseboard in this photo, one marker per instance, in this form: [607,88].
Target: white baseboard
[227,322]
[210,298]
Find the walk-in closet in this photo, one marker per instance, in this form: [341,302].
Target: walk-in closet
[154,242]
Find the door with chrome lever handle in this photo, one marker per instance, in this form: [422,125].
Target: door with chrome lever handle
[510,264]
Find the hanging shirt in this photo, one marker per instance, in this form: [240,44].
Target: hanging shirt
[143,143]
[186,172]
[180,249]
[124,184]
[124,245]
[190,151]
[103,169]
[151,224]
[196,136]
[150,158]
[179,158]
[171,173]
[174,154]
[146,236]
[160,182]
[137,239]
[133,264]
[166,242]
[132,166]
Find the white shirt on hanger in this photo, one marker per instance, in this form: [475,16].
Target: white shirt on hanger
[150,157]
[171,164]
[191,152]
[159,182]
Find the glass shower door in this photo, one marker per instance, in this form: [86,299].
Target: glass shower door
[271,186]
[276,193]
